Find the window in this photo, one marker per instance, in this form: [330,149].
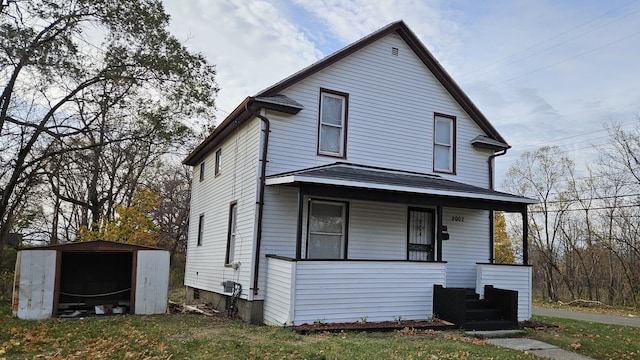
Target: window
[231,235]
[444,148]
[332,123]
[202,171]
[218,162]
[200,229]
[327,230]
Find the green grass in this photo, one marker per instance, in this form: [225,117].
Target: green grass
[599,341]
[198,337]
[178,336]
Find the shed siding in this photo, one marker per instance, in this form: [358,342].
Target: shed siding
[516,278]
[358,289]
[237,181]
[278,296]
[388,126]
[468,244]
[152,281]
[35,274]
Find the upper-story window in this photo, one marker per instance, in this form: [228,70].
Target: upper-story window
[444,143]
[332,127]
[218,163]
[202,171]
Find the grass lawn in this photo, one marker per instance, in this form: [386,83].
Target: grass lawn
[178,336]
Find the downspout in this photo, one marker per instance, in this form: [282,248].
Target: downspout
[263,171]
[491,229]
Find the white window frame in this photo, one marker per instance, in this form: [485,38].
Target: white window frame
[232,233]
[343,233]
[200,230]
[342,143]
[218,162]
[450,145]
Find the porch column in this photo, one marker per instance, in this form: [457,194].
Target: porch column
[299,228]
[439,232]
[525,237]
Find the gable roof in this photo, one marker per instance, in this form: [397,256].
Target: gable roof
[242,113]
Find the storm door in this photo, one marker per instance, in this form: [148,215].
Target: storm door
[420,234]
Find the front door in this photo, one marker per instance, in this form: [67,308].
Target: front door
[420,234]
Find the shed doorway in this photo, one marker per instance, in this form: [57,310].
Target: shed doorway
[95,283]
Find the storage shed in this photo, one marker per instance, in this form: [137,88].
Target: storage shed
[86,278]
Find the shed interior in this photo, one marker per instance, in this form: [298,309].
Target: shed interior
[95,283]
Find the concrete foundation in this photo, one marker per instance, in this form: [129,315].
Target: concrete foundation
[248,311]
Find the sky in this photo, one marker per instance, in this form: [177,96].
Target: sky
[544,72]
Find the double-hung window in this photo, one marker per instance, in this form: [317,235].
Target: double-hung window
[200,229]
[444,147]
[327,237]
[202,171]
[218,163]
[231,235]
[332,127]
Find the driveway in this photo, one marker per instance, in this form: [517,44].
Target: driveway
[588,316]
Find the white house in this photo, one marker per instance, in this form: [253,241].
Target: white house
[352,189]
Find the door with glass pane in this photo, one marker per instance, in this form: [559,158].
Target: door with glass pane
[420,235]
[327,228]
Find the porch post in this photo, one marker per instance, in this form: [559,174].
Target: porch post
[525,238]
[299,228]
[439,232]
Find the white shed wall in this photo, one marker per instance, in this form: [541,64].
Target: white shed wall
[152,282]
[35,284]
[237,181]
[388,126]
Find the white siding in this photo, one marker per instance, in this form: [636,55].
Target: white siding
[237,181]
[508,277]
[279,294]
[35,282]
[152,282]
[392,101]
[468,244]
[349,291]
[377,231]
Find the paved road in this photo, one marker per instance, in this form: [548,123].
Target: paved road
[587,316]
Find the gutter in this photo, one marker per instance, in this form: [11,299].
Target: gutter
[491,228]
[263,172]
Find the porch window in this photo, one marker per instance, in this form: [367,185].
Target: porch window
[444,143]
[327,230]
[231,235]
[332,123]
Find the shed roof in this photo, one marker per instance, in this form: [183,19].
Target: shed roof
[97,245]
[243,112]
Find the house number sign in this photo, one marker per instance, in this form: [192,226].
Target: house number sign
[457,218]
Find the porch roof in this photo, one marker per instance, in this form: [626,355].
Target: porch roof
[353,177]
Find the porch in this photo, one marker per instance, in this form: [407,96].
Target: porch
[306,291]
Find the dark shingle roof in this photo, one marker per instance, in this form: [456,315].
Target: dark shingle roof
[344,174]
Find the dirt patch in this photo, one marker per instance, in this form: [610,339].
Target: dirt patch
[373,326]
[536,325]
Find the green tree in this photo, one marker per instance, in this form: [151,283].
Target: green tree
[74,68]
[504,252]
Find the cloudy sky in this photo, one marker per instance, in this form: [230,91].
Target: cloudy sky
[544,72]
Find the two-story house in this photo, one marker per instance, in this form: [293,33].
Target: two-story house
[358,187]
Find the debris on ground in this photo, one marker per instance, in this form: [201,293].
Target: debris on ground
[205,309]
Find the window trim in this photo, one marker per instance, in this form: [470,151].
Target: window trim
[345,114]
[218,162]
[453,136]
[202,171]
[233,219]
[200,230]
[345,228]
